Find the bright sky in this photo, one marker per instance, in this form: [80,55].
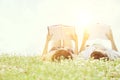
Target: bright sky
[23,23]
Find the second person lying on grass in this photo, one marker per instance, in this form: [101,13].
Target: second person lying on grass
[61,41]
[98,43]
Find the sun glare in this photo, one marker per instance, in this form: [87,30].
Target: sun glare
[83,20]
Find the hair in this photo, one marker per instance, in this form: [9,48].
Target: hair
[61,53]
[99,55]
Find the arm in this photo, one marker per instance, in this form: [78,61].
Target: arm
[85,38]
[110,37]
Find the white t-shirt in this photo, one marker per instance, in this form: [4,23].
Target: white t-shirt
[103,42]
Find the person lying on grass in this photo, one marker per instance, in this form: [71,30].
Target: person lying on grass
[59,42]
[98,43]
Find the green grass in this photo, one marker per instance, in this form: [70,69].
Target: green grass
[32,68]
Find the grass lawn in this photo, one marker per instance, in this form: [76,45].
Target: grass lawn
[32,68]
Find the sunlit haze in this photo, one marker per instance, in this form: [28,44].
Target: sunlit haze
[23,23]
